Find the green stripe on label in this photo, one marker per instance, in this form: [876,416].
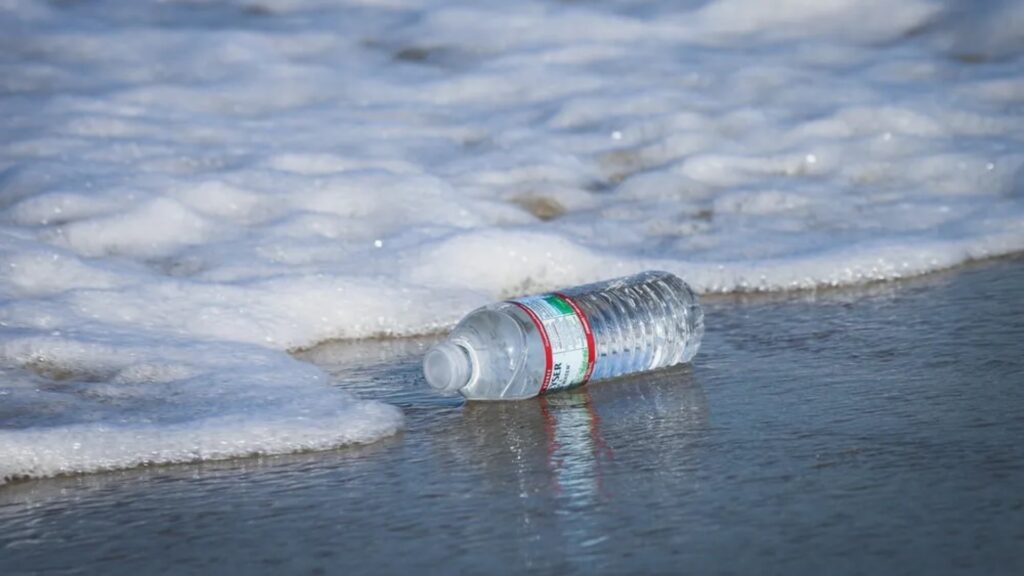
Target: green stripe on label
[560,304]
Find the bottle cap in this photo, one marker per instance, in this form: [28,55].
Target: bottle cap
[447,367]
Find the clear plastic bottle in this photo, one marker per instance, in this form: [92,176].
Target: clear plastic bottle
[538,344]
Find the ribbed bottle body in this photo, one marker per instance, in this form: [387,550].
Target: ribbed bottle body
[642,322]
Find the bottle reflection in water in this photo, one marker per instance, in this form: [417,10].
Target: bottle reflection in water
[567,455]
[574,444]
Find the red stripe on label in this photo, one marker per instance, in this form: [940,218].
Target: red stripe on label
[548,361]
[591,347]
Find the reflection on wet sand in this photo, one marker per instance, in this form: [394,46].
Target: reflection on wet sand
[574,445]
[567,455]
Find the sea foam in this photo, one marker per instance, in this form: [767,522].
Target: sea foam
[188,190]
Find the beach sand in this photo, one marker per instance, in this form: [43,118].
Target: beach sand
[871,430]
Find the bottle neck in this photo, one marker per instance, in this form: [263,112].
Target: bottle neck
[448,366]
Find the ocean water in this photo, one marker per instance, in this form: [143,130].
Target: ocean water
[858,431]
[189,190]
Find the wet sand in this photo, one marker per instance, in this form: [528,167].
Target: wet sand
[876,430]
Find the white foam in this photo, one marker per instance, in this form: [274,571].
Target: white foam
[73,402]
[190,189]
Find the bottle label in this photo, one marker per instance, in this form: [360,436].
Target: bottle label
[569,348]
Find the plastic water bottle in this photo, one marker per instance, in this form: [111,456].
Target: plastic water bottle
[540,344]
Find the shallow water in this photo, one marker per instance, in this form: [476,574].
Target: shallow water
[867,431]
